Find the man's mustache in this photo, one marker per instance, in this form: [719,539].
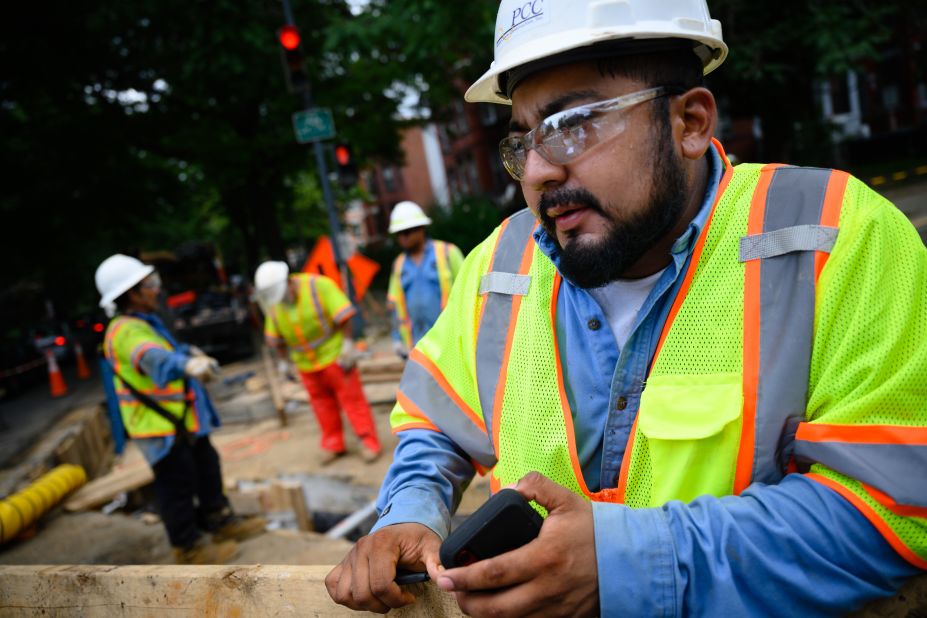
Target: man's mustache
[561,197]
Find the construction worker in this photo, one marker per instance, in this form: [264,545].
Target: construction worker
[713,379]
[309,316]
[421,277]
[156,396]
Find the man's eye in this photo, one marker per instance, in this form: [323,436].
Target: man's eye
[571,121]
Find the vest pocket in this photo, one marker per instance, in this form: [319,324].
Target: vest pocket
[691,426]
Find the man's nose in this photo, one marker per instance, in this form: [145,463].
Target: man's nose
[541,174]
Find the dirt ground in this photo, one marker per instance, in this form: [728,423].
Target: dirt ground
[253,451]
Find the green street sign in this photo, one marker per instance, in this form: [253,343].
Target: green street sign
[313,125]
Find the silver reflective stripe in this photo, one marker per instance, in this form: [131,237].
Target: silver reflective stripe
[497,311]
[505,283]
[795,198]
[787,240]
[319,312]
[898,470]
[129,397]
[421,388]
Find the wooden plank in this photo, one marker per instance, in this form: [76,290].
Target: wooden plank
[68,451]
[297,499]
[181,591]
[275,394]
[249,590]
[101,490]
[382,364]
[377,378]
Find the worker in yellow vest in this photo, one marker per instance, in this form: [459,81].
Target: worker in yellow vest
[308,317]
[421,278]
[155,395]
[712,380]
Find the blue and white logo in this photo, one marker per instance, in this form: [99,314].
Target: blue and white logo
[525,13]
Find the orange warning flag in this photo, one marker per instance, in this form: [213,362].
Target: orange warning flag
[322,261]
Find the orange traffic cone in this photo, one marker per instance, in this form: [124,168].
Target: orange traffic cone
[56,380]
[83,370]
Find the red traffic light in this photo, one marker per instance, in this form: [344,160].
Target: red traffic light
[289,37]
[342,155]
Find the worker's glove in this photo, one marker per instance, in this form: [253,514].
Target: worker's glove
[349,355]
[400,349]
[203,368]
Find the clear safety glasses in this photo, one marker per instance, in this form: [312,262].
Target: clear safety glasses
[563,136]
[151,282]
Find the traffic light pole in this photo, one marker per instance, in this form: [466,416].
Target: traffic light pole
[358,320]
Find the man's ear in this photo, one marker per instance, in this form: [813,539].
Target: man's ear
[694,117]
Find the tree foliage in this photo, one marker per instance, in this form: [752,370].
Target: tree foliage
[141,124]
[778,51]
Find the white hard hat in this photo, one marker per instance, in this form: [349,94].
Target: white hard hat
[407,215]
[270,281]
[118,274]
[532,30]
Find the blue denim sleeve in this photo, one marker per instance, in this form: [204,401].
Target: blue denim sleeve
[424,484]
[797,543]
[163,366]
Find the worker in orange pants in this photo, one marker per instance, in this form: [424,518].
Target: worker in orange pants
[333,387]
[308,317]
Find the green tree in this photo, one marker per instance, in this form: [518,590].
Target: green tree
[778,50]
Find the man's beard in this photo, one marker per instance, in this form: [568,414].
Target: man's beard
[592,265]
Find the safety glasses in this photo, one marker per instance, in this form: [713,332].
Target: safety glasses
[562,137]
[151,282]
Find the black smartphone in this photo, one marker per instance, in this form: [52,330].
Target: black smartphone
[505,522]
[410,577]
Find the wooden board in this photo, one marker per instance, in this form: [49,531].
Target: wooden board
[248,590]
[182,591]
[100,491]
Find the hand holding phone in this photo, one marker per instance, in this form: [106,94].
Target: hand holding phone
[505,522]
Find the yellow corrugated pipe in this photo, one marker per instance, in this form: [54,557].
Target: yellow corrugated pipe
[22,508]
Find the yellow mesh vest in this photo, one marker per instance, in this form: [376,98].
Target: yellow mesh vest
[868,365]
[126,340]
[309,326]
[447,259]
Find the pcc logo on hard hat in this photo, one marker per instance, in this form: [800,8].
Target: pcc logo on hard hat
[522,14]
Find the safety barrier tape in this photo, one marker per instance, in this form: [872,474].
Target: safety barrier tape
[22,368]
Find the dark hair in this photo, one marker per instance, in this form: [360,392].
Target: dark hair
[656,62]
[679,70]
[122,303]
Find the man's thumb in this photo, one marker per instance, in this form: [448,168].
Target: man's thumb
[535,486]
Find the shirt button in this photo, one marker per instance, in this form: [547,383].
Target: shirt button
[594,324]
[622,403]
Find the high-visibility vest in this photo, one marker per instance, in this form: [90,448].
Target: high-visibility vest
[448,259]
[126,340]
[310,327]
[768,360]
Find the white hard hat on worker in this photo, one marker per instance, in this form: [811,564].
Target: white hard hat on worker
[406,216]
[530,32]
[116,275]
[270,282]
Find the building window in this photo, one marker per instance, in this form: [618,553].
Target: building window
[392,179]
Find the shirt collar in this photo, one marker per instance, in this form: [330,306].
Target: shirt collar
[685,241]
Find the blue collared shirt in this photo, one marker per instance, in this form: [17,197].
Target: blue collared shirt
[162,367]
[797,540]
[422,290]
